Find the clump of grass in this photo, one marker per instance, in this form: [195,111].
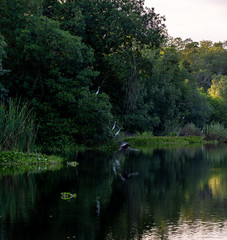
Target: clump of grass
[215,131]
[17,127]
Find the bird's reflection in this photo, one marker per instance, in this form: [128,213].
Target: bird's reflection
[117,168]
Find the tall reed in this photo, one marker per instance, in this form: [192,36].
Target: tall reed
[17,127]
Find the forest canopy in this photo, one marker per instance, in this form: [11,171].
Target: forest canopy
[56,54]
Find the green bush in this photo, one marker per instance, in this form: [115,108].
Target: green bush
[190,130]
[145,134]
[216,131]
[17,128]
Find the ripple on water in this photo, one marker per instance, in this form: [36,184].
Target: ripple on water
[188,230]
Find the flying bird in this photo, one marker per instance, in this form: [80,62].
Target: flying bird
[117,132]
[114,125]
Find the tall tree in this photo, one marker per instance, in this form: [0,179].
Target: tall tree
[51,68]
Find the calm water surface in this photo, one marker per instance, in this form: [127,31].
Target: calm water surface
[178,193]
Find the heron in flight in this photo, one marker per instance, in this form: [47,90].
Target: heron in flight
[117,132]
[114,125]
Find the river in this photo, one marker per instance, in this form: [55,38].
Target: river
[174,193]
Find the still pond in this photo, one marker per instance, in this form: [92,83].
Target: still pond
[175,193]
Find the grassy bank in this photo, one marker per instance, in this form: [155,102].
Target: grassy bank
[165,140]
[18,163]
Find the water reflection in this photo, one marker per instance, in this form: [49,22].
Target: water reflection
[189,230]
[176,193]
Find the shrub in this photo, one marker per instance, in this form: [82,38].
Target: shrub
[216,131]
[190,130]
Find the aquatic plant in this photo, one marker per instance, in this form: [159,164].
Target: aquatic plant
[12,163]
[72,164]
[17,158]
[68,195]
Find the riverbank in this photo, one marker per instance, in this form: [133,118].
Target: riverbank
[163,140]
[135,142]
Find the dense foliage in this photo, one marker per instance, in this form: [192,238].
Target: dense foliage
[60,52]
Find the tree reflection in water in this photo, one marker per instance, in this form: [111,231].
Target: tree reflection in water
[178,193]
